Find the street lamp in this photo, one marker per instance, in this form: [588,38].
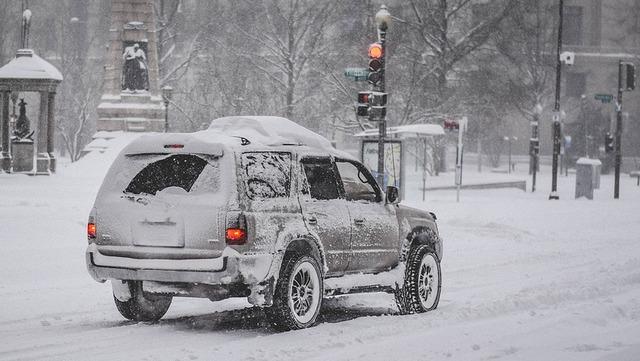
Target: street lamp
[383,21]
[383,18]
[166,95]
[510,139]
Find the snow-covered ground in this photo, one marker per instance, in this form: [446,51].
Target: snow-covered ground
[524,278]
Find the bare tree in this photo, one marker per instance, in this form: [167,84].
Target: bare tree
[178,44]
[79,93]
[79,112]
[445,32]
[526,41]
[288,34]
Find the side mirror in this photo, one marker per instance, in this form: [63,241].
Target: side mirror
[392,195]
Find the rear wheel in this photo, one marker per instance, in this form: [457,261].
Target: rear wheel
[142,306]
[422,282]
[298,294]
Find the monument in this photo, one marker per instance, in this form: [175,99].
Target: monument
[25,150]
[131,99]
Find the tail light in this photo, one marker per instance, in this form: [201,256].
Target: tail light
[236,233]
[236,236]
[91,230]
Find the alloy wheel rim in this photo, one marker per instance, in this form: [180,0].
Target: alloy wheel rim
[428,281]
[304,292]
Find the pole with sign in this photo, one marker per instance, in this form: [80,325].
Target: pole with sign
[626,82]
[462,127]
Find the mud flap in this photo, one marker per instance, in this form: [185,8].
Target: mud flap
[262,293]
[121,290]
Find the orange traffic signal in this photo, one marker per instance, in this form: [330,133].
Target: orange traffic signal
[375,51]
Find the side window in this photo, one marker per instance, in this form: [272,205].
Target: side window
[266,174]
[321,178]
[358,184]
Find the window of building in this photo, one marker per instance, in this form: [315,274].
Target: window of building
[572,26]
[576,84]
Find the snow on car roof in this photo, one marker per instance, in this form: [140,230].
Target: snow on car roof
[262,132]
[269,130]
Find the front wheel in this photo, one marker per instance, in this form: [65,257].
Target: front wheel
[142,306]
[298,294]
[422,282]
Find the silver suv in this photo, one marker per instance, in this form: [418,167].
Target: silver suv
[255,207]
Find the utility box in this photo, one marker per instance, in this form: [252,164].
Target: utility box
[587,177]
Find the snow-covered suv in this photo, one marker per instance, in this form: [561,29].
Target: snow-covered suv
[255,207]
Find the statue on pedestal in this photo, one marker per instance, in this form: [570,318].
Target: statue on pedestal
[135,72]
[22,124]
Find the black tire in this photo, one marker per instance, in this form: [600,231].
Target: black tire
[142,306]
[421,290]
[290,311]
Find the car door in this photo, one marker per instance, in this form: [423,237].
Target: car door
[374,228]
[325,213]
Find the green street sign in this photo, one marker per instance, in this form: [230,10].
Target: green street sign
[605,98]
[357,74]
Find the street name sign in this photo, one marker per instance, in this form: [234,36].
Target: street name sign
[605,98]
[357,74]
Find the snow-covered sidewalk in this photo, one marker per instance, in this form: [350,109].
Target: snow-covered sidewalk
[524,278]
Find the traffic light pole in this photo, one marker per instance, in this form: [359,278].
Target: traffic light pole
[382,123]
[618,145]
[556,110]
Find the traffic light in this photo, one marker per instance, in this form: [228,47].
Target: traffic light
[630,76]
[608,142]
[376,63]
[534,146]
[372,104]
[362,108]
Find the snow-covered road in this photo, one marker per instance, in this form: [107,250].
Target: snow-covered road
[524,278]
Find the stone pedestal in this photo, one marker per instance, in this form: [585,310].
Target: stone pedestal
[132,22]
[138,112]
[22,156]
[587,177]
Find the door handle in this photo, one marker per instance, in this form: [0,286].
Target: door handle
[312,220]
[359,221]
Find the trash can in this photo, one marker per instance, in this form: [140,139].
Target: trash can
[587,177]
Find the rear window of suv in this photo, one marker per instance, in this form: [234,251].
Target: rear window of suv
[148,174]
[180,170]
[266,174]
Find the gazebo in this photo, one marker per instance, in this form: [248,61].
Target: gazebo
[28,72]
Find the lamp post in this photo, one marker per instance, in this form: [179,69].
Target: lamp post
[534,147]
[166,95]
[510,139]
[383,21]
[556,110]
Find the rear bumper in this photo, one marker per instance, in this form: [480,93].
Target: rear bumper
[230,268]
